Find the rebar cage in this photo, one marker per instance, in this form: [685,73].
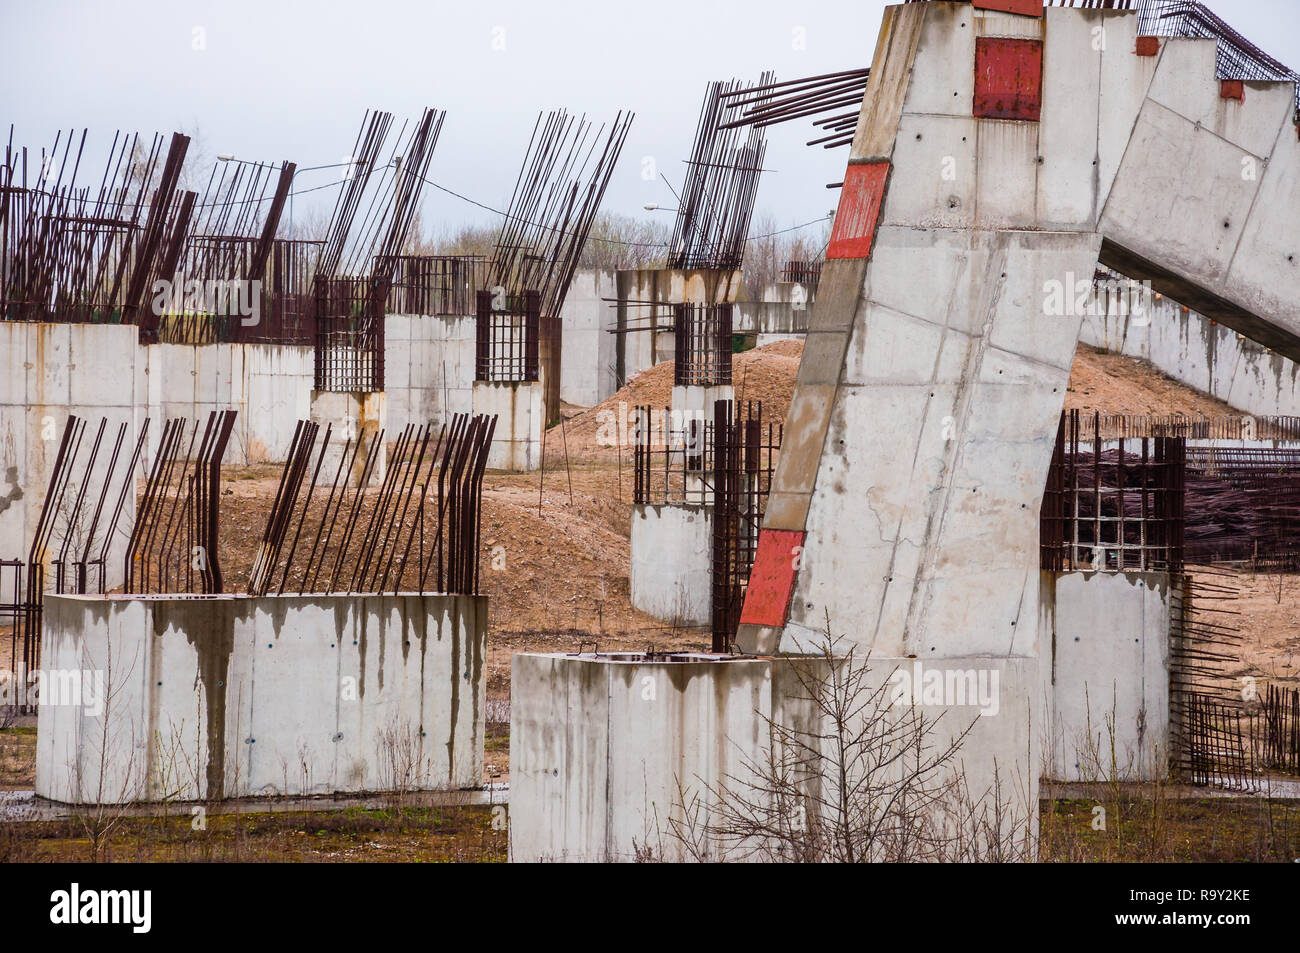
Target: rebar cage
[1118,508]
[434,284]
[702,344]
[806,273]
[742,479]
[507,336]
[726,463]
[350,334]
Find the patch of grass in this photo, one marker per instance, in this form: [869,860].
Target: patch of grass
[497,738]
[411,834]
[1200,830]
[18,757]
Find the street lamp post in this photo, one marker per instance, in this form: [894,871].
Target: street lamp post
[296,173]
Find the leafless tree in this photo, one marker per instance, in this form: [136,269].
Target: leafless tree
[848,776]
[111,747]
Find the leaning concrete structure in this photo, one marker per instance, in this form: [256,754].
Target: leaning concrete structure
[1003,150]
[998,157]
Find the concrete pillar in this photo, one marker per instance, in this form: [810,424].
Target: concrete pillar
[999,153]
[997,157]
[643,342]
[351,414]
[519,409]
[1105,640]
[671,551]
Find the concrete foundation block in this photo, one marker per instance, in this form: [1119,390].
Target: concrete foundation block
[610,754]
[167,698]
[519,407]
[1104,641]
[672,548]
[352,416]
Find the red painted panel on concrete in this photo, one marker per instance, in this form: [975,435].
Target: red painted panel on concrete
[1008,78]
[855,220]
[1232,89]
[1148,45]
[1029,8]
[771,581]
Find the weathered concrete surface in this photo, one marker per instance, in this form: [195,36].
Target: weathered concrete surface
[694,401]
[269,386]
[428,367]
[934,368]
[1105,647]
[519,407]
[588,358]
[607,752]
[645,332]
[47,372]
[212,698]
[939,434]
[782,314]
[934,371]
[672,547]
[352,416]
[1201,353]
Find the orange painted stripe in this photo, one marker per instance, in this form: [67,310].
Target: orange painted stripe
[1027,8]
[771,581]
[1008,78]
[856,218]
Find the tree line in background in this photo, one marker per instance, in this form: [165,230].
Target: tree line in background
[620,241]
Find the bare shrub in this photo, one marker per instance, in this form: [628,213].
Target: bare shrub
[847,776]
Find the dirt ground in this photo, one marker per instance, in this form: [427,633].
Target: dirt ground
[1267,616]
[390,835]
[1114,384]
[560,579]
[555,558]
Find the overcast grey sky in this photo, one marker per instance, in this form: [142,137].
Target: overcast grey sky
[291,80]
